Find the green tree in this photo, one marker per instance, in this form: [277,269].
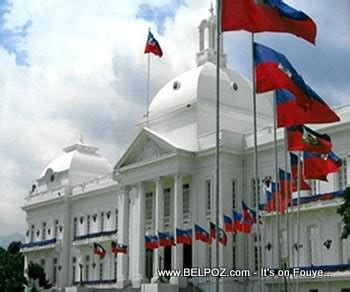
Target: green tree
[36,272]
[344,211]
[11,269]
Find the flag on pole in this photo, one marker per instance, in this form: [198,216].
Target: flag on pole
[274,71]
[183,236]
[237,222]
[201,234]
[228,224]
[267,15]
[318,165]
[303,186]
[291,113]
[152,46]
[222,234]
[119,248]
[302,138]
[166,239]
[270,193]
[151,242]
[99,250]
[249,218]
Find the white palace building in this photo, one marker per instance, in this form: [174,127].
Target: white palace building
[165,180]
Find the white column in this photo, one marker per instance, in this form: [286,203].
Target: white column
[140,236]
[177,250]
[123,235]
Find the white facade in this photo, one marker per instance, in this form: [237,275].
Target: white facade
[166,180]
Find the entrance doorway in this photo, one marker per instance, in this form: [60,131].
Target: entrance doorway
[149,264]
[167,258]
[187,256]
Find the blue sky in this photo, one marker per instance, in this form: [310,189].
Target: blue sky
[11,38]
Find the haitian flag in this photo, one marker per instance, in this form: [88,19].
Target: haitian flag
[302,138]
[267,15]
[318,166]
[291,113]
[248,219]
[151,242]
[119,248]
[237,222]
[222,234]
[270,193]
[152,46]
[99,250]
[248,213]
[228,225]
[282,177]
[201,234]
[183,236]
[166,239]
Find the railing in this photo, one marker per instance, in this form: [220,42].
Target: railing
[95,282]
[39,243]
[95,235]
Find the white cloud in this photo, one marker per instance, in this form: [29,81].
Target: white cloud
[87,75]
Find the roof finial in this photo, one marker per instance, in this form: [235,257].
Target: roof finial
[81,139]
[211,10]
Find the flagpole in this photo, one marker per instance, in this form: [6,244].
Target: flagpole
[286,191]
[277,185]
[298,217]
[256,190]
[148,82]
[217,146]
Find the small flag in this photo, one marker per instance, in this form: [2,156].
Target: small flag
[151,242]
[201,234]
[267,15]
[237,222]
[152,46]
[303,186]
[99,250]
[119,248]
[222,234]
[166,239]
[228,224]
[302,138]
[183,236]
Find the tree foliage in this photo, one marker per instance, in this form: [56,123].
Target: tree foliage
[344,211]
[11,269]
[36,272]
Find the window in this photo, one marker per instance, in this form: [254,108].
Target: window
[87,267]
[167,205]
[44,231]
[75,226]
[74,271]
[342,176]
[115,266]
[102,221]
[32,233]
[116,219]
[256,255]
[233,193]
[101,271]
[209,256]
[255,187]
[208,195]
[88,224]
[54,271]
[234,251]
[55,230]
[314,245]
[149,207]
[186,200]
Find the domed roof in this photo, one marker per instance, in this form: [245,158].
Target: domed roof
[199,84]
[80,159]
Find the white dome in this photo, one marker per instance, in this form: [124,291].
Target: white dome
[200,84]
[80,159]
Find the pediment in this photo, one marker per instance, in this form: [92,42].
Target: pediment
[145,148]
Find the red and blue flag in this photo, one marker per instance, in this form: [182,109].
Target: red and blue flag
[267,15]
[152,46]
[183,236]
[291,113]
[302,138]
[119,248]
[228,224]
[201,234]
[99,250]
[151,242]
[222,234]
[166,239]
[237,222]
